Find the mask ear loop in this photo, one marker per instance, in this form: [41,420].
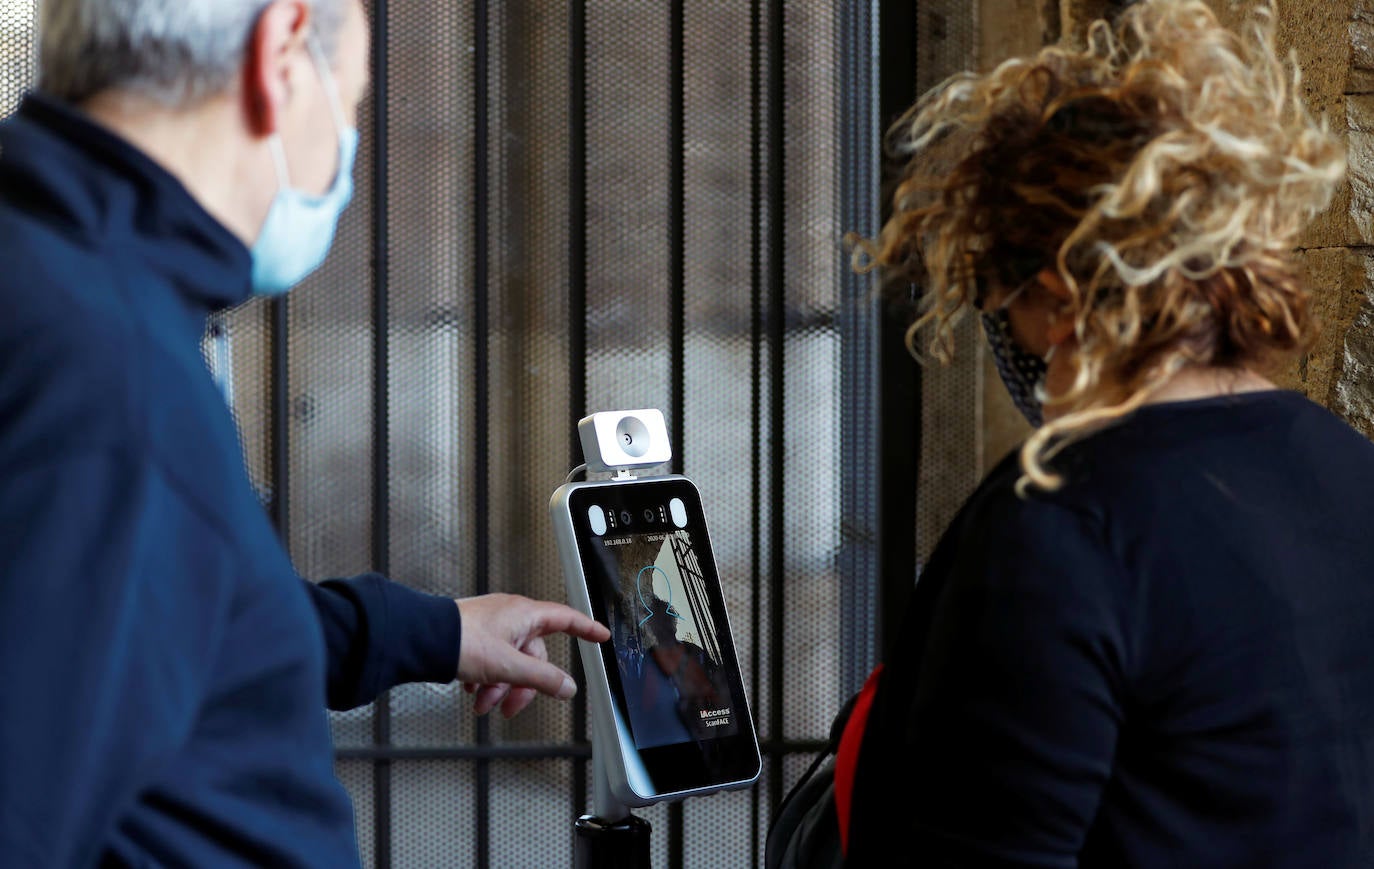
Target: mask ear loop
[1006,303]
[1039,391]
[1041,394]
[331,90]
[331,87]
[279,160]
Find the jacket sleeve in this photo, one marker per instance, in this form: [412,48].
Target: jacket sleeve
[113,599]
[1006,742]
[379,634]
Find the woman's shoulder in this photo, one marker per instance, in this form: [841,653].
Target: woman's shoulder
[1175,475]
[1162,450]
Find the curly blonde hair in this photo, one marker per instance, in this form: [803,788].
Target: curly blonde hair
[1163,171]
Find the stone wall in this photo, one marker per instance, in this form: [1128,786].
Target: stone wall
[1333,42]
[1348,385]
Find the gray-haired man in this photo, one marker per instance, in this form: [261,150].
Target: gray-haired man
[169,670]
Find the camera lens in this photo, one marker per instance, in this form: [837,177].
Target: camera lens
[624,517]
[633,435]
[648,515]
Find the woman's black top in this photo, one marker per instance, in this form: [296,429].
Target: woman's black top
[1168,662]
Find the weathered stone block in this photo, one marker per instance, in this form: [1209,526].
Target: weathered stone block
[1362,43]
[1360,169]
[1352,395]
[1335,278]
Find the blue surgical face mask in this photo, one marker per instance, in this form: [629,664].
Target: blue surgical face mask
[299,229]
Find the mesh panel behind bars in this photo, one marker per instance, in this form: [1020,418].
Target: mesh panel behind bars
[17,50]
[716,445]
[811,355]
[410,408]
[431,346]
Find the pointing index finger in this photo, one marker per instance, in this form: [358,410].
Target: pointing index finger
[560,618]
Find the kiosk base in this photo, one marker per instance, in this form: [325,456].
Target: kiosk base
[602,844]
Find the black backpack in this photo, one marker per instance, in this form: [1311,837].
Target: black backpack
[805,831]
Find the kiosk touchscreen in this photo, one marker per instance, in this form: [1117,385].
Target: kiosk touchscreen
[666,692]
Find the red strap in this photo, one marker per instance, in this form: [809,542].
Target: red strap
[847,756]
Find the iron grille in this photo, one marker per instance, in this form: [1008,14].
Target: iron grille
[575,206]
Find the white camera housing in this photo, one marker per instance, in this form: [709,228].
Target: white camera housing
[620,439]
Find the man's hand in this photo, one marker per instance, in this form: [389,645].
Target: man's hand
[503,659]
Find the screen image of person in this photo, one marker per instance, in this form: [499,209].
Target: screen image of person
[664,634]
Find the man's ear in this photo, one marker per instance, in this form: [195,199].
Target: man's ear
[276,42]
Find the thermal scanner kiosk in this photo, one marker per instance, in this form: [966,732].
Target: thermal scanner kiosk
[669,715]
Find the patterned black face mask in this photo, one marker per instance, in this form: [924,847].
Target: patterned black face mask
[1023,373]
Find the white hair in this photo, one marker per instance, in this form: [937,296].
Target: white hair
[177,52]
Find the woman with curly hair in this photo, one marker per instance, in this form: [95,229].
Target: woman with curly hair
[1148,638]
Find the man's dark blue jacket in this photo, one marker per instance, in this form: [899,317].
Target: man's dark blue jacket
[164,670]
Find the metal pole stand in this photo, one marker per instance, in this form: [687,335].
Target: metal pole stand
[601,844]
[612,838]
